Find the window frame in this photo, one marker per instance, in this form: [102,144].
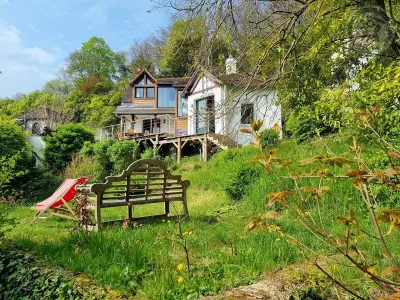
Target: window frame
[180,107]
[136,96]
[172,101]
[244,108]
[154,92]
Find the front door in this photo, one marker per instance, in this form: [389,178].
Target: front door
[205,116]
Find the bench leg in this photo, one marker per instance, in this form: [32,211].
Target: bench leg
[130,211]
[166,208]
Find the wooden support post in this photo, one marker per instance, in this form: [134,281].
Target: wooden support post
[205,148]
[98,210]
[157,139]
[179,149]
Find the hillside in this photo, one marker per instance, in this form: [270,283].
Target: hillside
[144,260]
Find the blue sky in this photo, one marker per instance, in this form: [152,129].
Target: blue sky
[36,36]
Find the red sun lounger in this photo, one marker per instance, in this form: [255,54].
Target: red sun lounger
[60,198]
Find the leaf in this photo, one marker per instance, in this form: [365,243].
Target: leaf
[246,130]
[391,172]
[356,173]
[256,125]
[388,272]
[337,161]
[359,182]
[280,197]
[394,155]
[271,214]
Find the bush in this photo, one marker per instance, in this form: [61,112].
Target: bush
[269,137]
[122,154]
[64,143]
[237,187]
[306,123]
[16,158]
[83,165]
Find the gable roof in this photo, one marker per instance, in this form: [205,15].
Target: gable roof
[174,81]
[138,75]
[233,79]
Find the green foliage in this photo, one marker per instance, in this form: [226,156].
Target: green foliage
[22,278]
[179,52]
[95,58]
[122,154]
[379,89]
[238,187]
[113,155]
[82,165]
[16,158]
[306,123]
[269,137]
[148,153]
[62,144]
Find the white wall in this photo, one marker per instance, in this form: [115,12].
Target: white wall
[228,108]
[265,108]
[205,88]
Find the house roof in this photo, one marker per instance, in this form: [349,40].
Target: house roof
[174,81]
[233,79]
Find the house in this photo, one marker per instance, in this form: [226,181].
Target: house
[204,103]
[153,106]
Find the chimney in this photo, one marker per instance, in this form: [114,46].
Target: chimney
[230,65]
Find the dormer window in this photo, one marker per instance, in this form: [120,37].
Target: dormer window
[139,92]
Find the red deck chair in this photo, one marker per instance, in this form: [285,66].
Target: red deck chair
[64,194]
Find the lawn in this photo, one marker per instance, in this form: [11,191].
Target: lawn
[142,261]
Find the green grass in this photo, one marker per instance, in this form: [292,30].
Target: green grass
[142,261]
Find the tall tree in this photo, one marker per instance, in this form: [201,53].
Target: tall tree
[94,59]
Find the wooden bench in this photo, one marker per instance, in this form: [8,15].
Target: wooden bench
[144,181]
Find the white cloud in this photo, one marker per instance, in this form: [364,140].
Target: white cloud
[39,55]
[23,68]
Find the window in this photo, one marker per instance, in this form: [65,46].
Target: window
[182,106]
[142,80]
[150,92]
[247,113]
[166,97]
[139,92]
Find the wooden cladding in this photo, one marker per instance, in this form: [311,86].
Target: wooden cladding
[181,124]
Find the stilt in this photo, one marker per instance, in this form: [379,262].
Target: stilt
[179,149]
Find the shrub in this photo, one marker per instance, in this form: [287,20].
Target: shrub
[64,143]
[148,153]
[237,187]
[83,165]
[122,154]
[16,158]
[269,137]
[306,123]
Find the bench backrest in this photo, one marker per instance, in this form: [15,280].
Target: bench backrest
[144,181]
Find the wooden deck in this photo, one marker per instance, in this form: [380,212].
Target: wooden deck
[179,142]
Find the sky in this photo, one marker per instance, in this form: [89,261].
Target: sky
[36,36]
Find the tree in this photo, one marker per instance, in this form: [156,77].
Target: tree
[62,144]
[95,58]
[178,56]
[15,153]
